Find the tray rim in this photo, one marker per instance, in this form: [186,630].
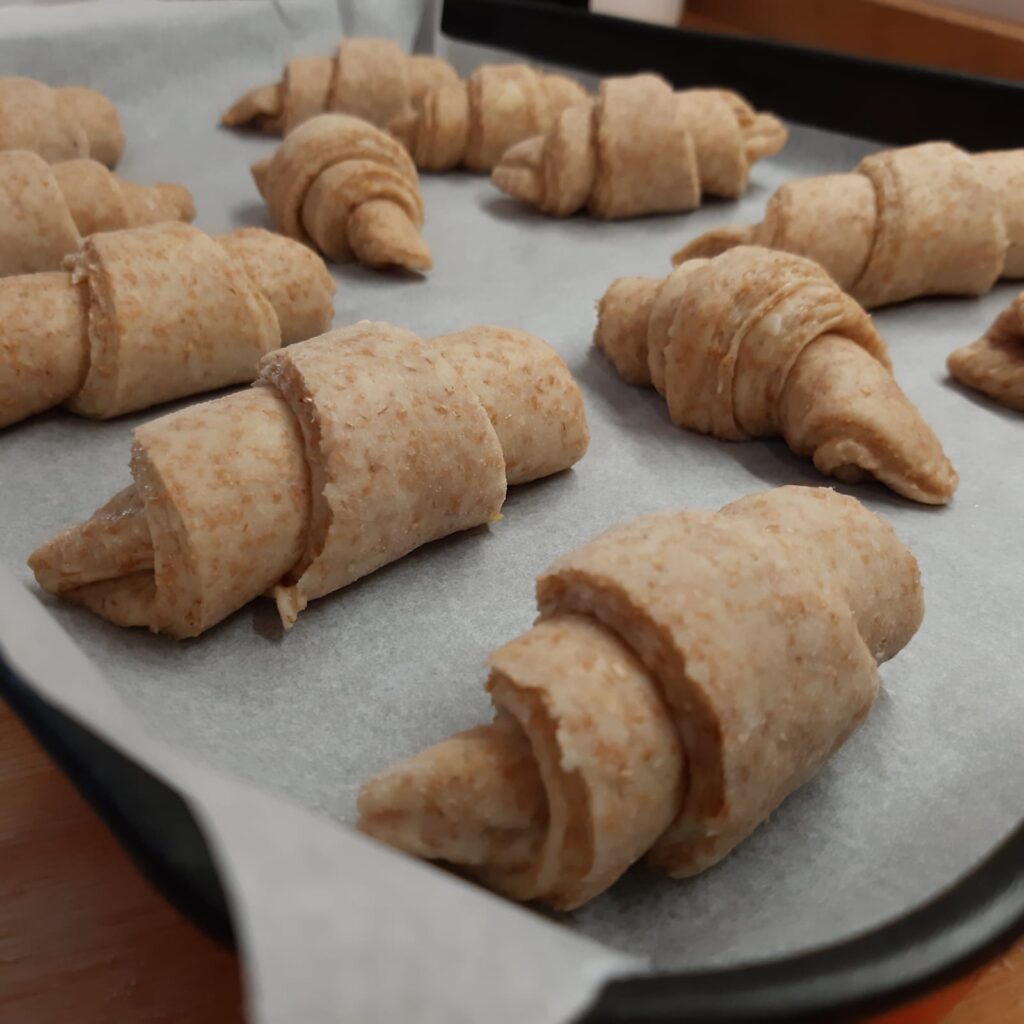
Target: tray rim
[964,926]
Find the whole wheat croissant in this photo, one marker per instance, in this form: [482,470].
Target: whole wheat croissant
[152,314]
[356,448]
[475,121]
[640,148]
[368,78]
[688,671]
[46,210]
[756,343]
[349,189]
[994,364]
[925,220]
[59,124]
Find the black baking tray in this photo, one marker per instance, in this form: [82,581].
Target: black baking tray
[957,931]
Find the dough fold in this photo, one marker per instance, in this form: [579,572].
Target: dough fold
[994,364]
[640,148]
[151,314]
[353,449]
[367,78]
[924,220]
[473,123]
[45,211]
[755,343]
[66,123]
[689,670]
[349,189]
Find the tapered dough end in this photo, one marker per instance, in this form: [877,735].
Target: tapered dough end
[259,171]
[99,117]
[178,199]
[715,242]
[290,275]
[765,136]
[994,364]
[530,397]
[844,409]
[475,799]
[381,234]
[518,174]
[258,108]
[623,313]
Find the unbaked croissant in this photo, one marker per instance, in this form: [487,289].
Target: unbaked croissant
[152,314]
[368,78]
[356,448]
[46,210]
[640,148]
[476,121]
[59,124]
[689,670]
[756,343]
[349,189]
[994,364]
[924,220]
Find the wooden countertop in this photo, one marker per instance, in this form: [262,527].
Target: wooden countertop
[83,937]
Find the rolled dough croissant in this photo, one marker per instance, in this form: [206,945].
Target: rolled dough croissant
[350,190]
[688,671]
[925,220]
[368,78]
[757,343]
[640,148]
[152,314]
[59,124]
[356,448]
[994,364]
[476,121]
[46,210]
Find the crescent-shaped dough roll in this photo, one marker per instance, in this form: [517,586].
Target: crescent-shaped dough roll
[924,220]
[355,448]
[640,148]
[59,124]
[368,78]
[756,343]
[349,189]
[994,364]
[46,210]
[689,670]
[152,314]
[474,122]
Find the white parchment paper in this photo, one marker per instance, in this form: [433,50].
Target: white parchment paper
[270,735]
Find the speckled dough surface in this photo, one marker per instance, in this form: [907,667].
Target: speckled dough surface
[348,188]
[355,448]
[640,148]
[147,315]
[473,123]
[59,124]
[756,343]
[689,671]
[925,220]
[368,78]
[46,211]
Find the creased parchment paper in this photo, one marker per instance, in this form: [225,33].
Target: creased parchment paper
[269,736]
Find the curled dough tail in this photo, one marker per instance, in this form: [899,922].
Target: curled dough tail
[994,364]
[260,107]
[714,243]
[381,235]
[844,409]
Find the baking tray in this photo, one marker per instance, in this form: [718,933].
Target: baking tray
[959,929]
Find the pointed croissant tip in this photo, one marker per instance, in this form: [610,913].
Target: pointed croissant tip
[765,137]
[714,243]
[382,235]
[517,173]
[259,172]
[181,199]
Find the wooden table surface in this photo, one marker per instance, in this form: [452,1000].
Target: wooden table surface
[84,938]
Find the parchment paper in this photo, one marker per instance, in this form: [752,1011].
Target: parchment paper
[271,735]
